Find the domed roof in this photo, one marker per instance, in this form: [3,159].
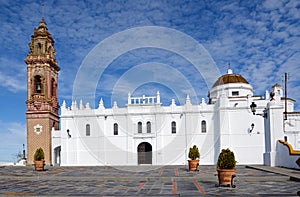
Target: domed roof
[277,85]
[230,78]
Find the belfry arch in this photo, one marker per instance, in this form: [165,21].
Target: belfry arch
[37,84]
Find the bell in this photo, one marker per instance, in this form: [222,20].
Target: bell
[38,88]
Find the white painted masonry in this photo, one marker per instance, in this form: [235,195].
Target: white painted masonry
[121,135]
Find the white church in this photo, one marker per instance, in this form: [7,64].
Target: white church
[147,132]
[259,129]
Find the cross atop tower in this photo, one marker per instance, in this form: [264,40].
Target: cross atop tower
[43,11]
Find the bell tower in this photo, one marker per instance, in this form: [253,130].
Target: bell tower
[42,92]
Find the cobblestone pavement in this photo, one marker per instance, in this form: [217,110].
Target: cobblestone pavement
[140,181]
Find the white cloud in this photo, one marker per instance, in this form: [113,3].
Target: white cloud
[272,4]
[265,37]
[12,83]
[13,75]
[245,33]
[13,136]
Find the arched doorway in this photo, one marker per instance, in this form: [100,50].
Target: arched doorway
[144,150]
[57,155]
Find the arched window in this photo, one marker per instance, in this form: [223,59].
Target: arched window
[39,48]
[173,127]
[87,130]
[203,126]
[38,84]
[140,127]
[116,129]
[52,87]
[148,127]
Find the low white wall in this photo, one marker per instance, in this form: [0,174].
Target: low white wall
[284,158]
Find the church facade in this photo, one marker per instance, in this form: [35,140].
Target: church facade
[146,131]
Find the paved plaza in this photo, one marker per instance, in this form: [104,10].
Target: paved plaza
[145,181]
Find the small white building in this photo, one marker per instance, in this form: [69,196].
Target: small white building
[147,132]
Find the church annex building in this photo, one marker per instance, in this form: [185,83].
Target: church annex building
[147,132]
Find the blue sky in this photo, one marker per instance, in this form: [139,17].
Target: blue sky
[260,39]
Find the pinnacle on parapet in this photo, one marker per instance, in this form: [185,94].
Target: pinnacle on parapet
[81,104]
[64,105]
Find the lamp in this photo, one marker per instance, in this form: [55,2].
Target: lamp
[23,155]
[252,127]
[69,135]
[253,107]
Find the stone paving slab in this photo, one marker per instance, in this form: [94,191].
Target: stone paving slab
[140,181]
[294,174]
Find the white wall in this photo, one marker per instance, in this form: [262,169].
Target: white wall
[226,128]
[285,159]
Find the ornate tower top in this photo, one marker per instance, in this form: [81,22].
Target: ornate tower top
[42,47]
[42,71]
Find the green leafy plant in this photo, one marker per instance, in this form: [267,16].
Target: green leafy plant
[194,153]
[226,159]
[39,154]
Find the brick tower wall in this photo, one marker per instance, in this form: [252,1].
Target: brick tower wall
[43,139]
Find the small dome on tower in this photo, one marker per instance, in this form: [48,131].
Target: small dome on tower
[230,78]
[43,24]
[277,86]
[232,85]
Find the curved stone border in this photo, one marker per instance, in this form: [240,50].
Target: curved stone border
[291,150]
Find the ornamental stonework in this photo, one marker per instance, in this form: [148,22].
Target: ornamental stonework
[38,129]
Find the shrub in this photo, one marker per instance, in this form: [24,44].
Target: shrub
[194,153]
[39,154]
[226,159]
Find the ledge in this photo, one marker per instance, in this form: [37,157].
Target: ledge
[144,135]
[291,150]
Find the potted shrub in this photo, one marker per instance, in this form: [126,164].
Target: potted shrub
[226,167]
[39,161]
[194,155]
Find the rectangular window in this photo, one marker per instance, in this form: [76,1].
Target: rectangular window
[235,93]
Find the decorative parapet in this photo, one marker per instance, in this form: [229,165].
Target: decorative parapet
[188,100]
[144,100]
[101,104]
[74,106]
[291,150]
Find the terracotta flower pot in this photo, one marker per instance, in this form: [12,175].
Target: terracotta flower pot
[39,165]
[226,176]
[193,164]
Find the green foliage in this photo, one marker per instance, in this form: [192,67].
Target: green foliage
[226,159]
[39,154]
[194,153]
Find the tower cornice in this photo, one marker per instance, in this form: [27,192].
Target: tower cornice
[42,59]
